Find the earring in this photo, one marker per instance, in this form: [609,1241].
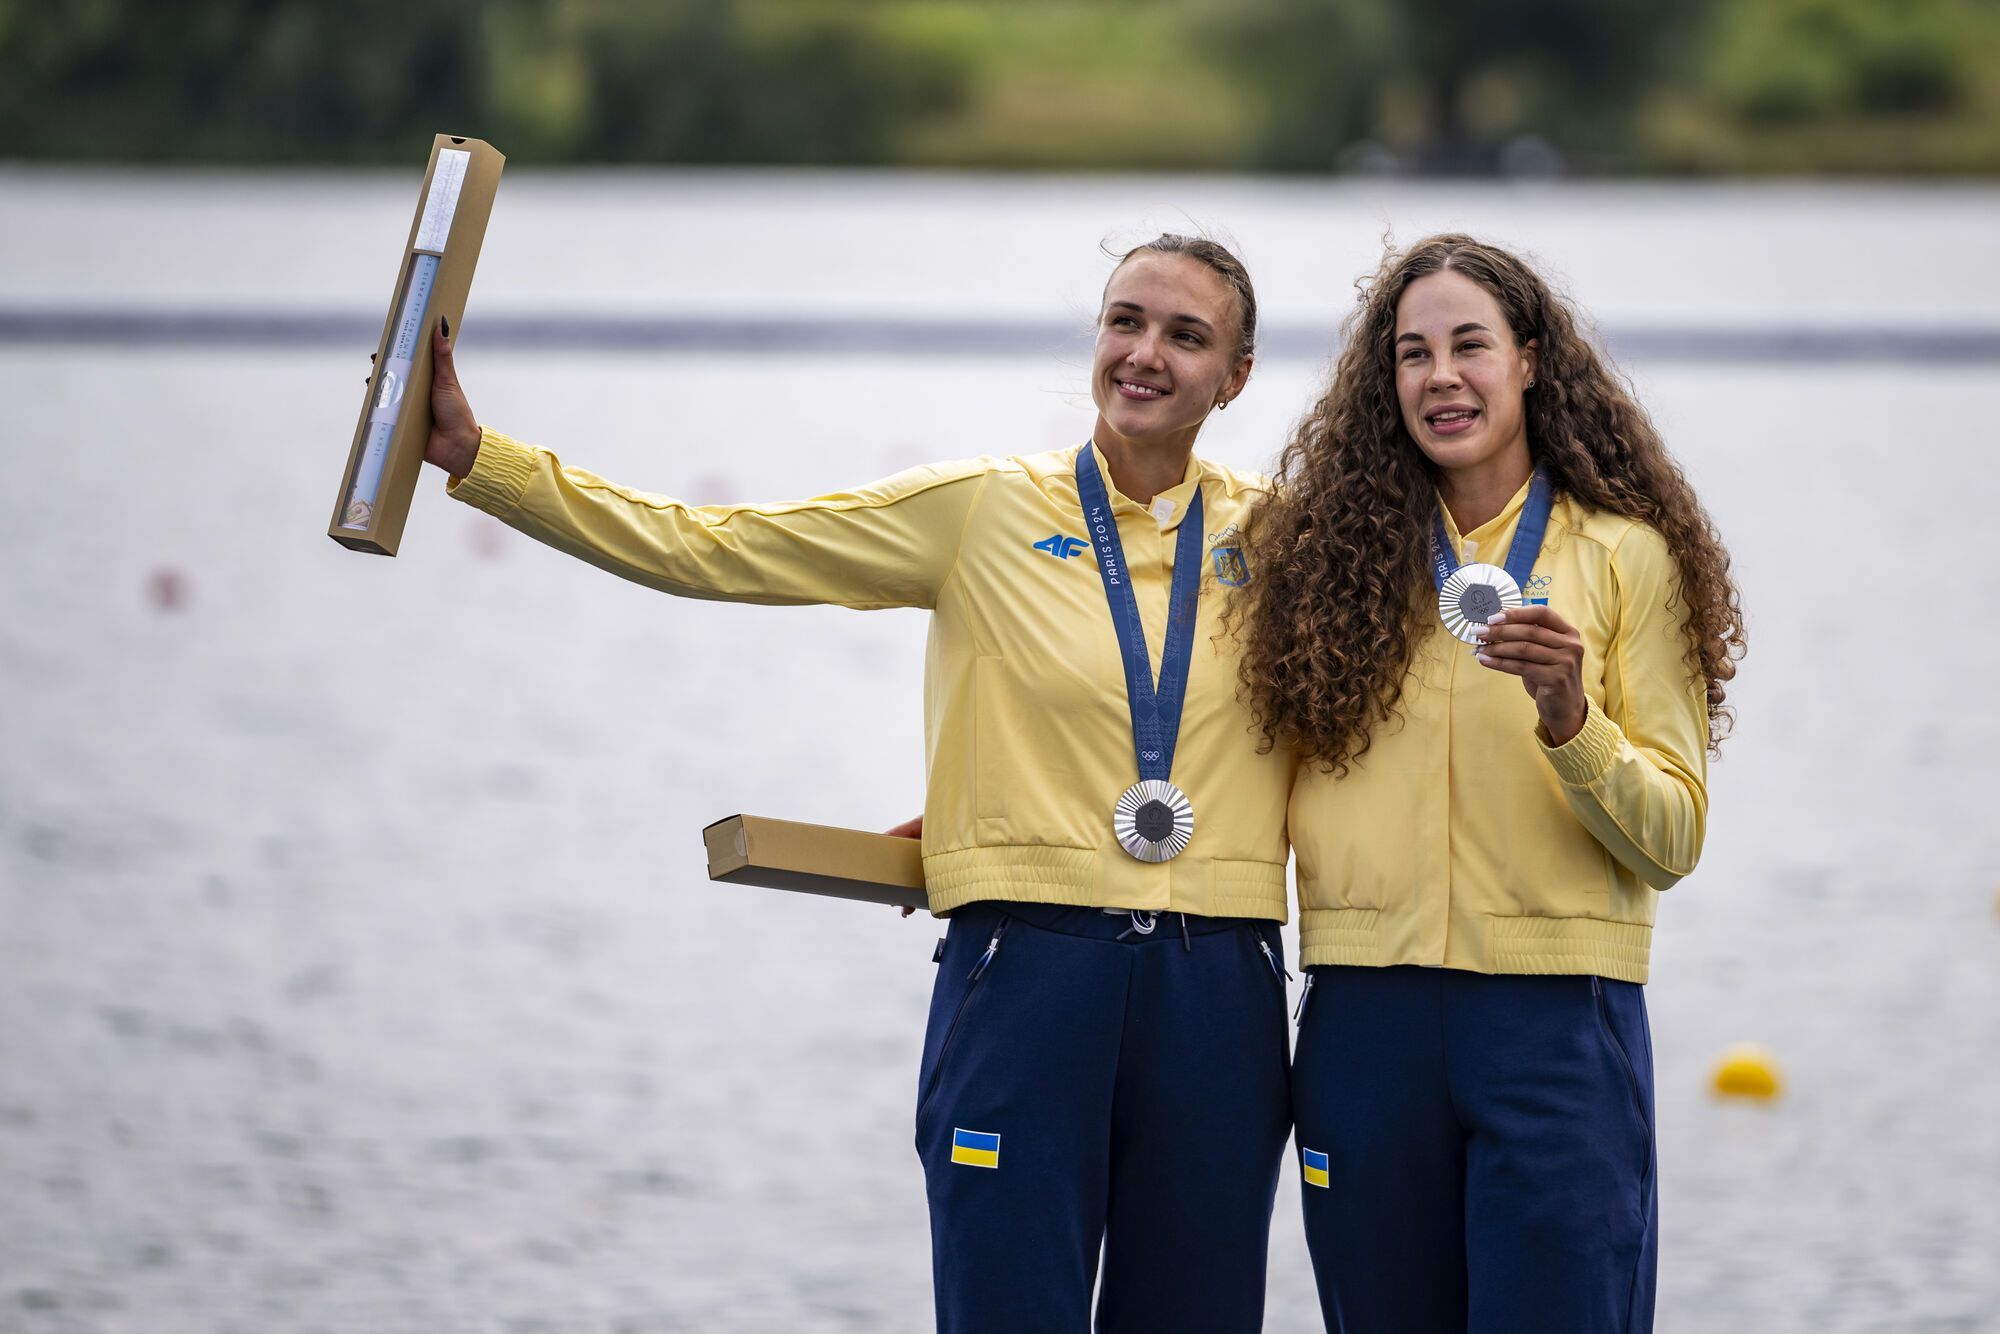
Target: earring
[1531,384]
[1221,405]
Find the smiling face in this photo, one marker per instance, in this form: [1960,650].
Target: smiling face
[1166,350]
[1460,376]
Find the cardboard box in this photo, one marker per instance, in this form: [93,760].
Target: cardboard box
[815,859]
[438,259]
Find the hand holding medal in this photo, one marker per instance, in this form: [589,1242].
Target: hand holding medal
[1546,652]
[1473,595]
[1481,604]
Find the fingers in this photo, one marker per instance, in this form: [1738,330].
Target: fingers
[1535,614]
[1531,625]
[1537,655]
[908,829]
[1511,666]
[1497,635]
[454,439]
[1546,653]
[1528,651]
[443,373]
[1542,681]
[1536,674]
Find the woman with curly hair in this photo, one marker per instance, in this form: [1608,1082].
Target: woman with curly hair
[1483,827]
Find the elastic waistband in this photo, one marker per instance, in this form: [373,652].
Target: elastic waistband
[1116,925]
[1459,980]
[1476,942]
[1084,878]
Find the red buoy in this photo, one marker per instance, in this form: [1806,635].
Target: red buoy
[167,589]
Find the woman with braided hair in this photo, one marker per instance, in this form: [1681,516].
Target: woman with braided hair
[1493,622]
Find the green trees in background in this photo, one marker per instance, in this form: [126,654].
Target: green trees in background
[591,80]
[1286,85]
[710,81]
[1878,86]
[1838,85]
[1446,85]
[1803,60]
[1718,85]
[227,80]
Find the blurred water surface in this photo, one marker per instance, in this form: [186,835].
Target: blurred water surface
[357,966]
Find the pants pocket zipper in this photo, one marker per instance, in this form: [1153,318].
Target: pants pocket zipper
[976,976]
[1277,969]
[1624,1058]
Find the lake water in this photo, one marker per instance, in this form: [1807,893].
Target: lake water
[358,969]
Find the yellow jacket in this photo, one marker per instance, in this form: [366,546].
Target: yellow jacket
[1462,839]
[1027,735]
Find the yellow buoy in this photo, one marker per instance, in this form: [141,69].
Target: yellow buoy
[1747,1071]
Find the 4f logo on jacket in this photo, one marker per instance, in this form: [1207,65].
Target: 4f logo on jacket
[1062,548]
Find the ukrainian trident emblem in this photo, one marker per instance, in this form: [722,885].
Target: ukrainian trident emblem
[1230,567]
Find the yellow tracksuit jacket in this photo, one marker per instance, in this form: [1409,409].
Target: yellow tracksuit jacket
[1028,738]
[1463,839]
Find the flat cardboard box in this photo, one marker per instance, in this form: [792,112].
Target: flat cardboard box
[450,223]
[816,859]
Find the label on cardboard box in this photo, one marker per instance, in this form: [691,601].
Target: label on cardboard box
[442,202]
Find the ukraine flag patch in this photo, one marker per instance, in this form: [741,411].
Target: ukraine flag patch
[975,1148]
[1314,1164]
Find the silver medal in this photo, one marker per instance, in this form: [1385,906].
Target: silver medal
[1154,820]
[1473,595]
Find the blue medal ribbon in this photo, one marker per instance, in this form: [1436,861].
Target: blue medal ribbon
[1528,535]
[1156,714]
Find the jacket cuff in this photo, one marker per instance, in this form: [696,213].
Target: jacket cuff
[499,474]
[1585,757]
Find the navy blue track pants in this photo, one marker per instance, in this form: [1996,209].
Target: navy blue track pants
[1084,1094]
[1488,1152]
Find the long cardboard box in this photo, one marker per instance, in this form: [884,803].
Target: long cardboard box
[431,282]
[815,859]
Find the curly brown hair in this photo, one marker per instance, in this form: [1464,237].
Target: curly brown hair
[1341,549]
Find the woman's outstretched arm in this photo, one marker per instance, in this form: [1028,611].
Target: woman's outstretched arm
[893,543]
